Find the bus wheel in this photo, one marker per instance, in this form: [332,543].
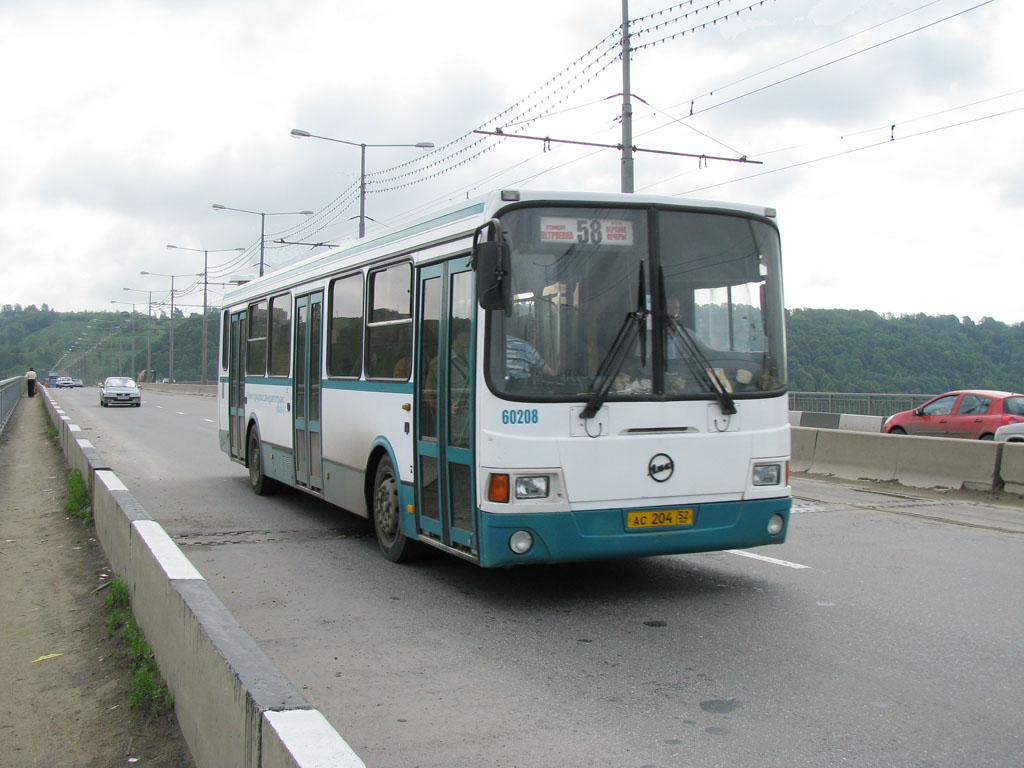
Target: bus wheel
[387,516]
[261,484]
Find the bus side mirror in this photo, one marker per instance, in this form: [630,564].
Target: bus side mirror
[491,262]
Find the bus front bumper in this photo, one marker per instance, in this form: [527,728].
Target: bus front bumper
[605,534]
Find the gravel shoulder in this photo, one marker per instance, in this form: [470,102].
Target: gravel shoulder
[64,681]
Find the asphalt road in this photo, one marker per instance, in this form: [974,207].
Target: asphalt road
[888,630]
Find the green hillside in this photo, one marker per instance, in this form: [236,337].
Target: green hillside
[830,350]
[92,345]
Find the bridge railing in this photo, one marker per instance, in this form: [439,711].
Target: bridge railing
[10,393]
[865,404]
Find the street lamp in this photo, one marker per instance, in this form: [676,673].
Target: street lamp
[300,134]
[263,222]
[206,256]
[170,353]
[149,328]
[133,372]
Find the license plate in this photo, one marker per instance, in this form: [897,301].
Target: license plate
[657,518]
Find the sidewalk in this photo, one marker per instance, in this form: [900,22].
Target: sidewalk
[68,709]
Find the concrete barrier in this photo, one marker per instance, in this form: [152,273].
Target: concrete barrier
[859,423]
[1011,468]
[929,462]
[845,421]
[920,462]
[234,707]
[208,390]
[802,442]
[853,455]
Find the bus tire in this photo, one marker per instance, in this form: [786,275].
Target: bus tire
[260,483]
[387,516]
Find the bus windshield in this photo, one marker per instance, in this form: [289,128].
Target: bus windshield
[702,289]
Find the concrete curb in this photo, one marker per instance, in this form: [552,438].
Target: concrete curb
[234,706]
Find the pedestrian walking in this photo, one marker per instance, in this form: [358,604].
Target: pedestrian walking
[30,381]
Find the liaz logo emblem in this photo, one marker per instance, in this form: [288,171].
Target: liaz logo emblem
[660,467]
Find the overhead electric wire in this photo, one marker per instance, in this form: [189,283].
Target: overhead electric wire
[809,53]
[851,151]
[825,64]
[691,30]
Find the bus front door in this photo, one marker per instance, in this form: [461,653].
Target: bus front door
[445,502]
[306,396]
[236,385]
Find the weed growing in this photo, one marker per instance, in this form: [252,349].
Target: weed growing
[51,428]
[78,498]
[146,690]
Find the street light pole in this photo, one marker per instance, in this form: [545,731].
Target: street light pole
[149,328]
[301,134]
[112,301]
[362,190]
[170,353]
[263,217]
[206,265]
[627,107]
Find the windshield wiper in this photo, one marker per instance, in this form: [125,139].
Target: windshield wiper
[633,324]
[695,358]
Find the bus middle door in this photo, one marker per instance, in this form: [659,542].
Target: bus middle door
[445,502]
[236,385]
[306,412]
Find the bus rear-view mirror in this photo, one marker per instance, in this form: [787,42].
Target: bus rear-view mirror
[492,277]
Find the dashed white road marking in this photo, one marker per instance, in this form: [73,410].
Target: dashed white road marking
[772,560]
[210,420]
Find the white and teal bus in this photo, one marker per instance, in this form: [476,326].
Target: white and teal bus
[529,377]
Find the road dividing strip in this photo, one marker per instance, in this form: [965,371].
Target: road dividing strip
[772,560]
[305,738]
[166,552]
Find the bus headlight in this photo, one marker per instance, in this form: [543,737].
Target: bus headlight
[520,542]
[536,487]
[775,525]
[767,474]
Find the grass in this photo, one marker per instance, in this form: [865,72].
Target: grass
[51,428]
[78,498]
[147,690]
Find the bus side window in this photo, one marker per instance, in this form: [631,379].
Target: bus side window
[280,334]
[345,329]
[389,321]
[256,352]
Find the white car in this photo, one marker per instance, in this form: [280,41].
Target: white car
[120,390]
[1010,433]
[64,382]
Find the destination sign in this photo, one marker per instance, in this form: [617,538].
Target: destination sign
[557,229]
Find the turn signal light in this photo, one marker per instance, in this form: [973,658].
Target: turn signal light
[498,489]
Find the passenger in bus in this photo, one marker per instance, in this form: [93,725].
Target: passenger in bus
[402,368]
[458,384]
[522,359]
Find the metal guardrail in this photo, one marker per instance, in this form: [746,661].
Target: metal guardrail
[10,394]
[865,404]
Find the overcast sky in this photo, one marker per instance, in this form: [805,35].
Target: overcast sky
[891,132]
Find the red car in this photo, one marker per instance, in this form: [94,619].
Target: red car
[973,413]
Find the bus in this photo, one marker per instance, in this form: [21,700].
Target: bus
[528,377]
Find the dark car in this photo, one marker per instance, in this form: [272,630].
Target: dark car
[974,414]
